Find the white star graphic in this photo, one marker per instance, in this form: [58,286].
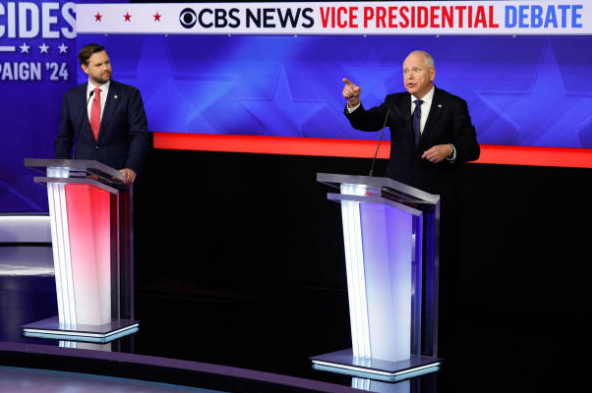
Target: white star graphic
[24,48]
[44,48]
[63,48]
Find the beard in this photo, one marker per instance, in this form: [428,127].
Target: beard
[101,79]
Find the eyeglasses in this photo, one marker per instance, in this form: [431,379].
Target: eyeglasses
[415,71]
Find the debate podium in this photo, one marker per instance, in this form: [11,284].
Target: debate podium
[91,218]
[390,233]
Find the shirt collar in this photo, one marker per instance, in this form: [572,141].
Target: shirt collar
[428,98]
[104,87]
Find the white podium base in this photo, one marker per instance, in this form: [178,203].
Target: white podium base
[50,328]
[344,362]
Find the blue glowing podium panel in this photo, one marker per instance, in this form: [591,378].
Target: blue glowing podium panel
[390,233]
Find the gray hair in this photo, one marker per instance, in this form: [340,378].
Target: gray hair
[429,60]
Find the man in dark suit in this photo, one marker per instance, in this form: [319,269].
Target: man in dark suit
[445,139]
[431,136]
[103,119]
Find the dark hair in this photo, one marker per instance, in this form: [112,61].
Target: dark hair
[87,51]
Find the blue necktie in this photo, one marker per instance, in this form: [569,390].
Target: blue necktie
[417,120]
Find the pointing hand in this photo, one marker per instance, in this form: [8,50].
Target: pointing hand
[351,92]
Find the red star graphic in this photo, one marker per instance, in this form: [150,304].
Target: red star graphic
[98,17]
[157,17]
[128,17]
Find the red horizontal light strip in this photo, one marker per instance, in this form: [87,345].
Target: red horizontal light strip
[271,145]
[490,154]
[537,156]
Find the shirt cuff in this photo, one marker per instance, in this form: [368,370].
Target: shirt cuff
[453,157]
[350,110]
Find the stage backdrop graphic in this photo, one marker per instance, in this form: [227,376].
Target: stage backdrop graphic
[231,75]
[238,75]
[38,64]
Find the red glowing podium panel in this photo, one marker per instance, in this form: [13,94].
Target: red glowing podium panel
[91,230]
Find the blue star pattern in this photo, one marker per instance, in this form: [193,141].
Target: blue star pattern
[281,111]
[173,97]
[545,114]
[528,91]
[38,63]
[518,90]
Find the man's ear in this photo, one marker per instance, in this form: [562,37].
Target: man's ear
[84,68]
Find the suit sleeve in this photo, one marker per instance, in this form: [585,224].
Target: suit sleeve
[465,137]
[138,132]
[367,120]
[64,139]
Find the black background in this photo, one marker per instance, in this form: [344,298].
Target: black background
[245,253]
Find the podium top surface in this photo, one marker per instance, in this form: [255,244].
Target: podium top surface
[81,167]
[386,187]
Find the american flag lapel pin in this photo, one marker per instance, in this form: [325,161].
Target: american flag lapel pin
[115,96]
[439,105]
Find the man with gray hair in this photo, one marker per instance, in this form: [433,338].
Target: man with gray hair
[431,130]
[431,137]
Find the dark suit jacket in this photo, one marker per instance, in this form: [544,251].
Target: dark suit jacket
[448,122]
[123,136]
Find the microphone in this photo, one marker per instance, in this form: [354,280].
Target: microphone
[92,93]
[380,140]
[77,130]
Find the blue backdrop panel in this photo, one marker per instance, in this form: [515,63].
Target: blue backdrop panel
[528,91]
[38,63]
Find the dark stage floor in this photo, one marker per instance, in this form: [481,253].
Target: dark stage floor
[200,336]
[260,342]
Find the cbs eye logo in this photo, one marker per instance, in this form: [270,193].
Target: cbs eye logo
[188,18]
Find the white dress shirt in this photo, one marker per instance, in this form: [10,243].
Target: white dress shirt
[425,111]
[104,91]
[425,107]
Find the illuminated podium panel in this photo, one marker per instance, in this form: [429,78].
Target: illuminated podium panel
[91,220]
[390,233]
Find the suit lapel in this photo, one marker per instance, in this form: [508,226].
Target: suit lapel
[110,105]
[435,112]
[82,100]
[406,107]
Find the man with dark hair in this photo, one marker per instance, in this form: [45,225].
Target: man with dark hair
[103,120]
[87,51]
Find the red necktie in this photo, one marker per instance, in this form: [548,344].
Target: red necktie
[95,114]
